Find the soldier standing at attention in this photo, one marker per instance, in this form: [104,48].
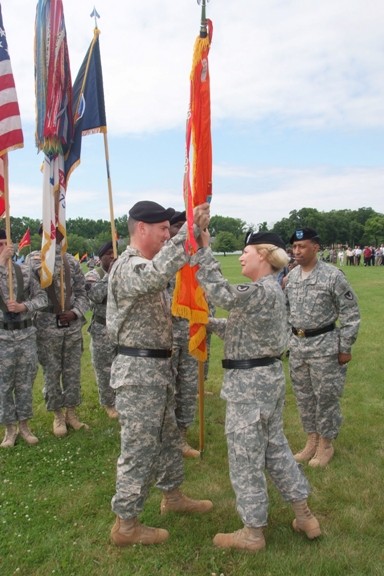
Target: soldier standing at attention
[60,340]
[318,294]
[102,349]
[18,355]
[139,322]
[254,387]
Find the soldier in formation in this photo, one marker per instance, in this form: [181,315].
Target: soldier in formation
[59,338]
[102,349]
[18,354]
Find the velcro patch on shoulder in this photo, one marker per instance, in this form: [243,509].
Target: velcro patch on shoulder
[242,288]
[348,295]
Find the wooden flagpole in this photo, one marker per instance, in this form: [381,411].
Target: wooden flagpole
[96,15]
[203,34]
[8,224]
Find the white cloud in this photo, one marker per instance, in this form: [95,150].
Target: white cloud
[308,63]
[307,67]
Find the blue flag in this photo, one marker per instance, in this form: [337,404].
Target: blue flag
[88,104]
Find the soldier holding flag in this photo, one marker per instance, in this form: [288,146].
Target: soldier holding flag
[18,355]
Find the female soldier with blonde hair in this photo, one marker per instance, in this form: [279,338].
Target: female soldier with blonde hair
[254,387]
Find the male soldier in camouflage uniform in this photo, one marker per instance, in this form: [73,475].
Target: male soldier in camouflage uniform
[139,322]
[102,349]
[18,355]
[60,340]
[185,366]
[254,387]
[318,294]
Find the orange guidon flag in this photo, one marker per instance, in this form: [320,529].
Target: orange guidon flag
[25,241]
[188,298]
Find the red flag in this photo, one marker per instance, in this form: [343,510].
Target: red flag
[25,241]
[189,300]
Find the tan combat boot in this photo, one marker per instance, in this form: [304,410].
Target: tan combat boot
[309,449]
[72,420]
[128,532]
[25,433]
[305,521]
[9,436]
[324,453]
[251,539]
[176,501]
[59,425]
[111,411]
[187,450]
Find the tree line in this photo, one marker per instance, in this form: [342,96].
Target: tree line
[361,227]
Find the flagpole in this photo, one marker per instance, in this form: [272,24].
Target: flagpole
[8,224]
[111,212]
[96,34]
[201,371]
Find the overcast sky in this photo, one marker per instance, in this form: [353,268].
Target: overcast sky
[297,96]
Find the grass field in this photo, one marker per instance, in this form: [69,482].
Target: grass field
[55,513]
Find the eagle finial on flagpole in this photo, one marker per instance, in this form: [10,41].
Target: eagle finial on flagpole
[95,15]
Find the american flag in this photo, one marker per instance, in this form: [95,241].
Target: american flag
[11,135]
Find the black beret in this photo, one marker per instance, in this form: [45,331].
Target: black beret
[304,234]
[178,217]
[107,246]
[150,212]
[3,234]
[264,238]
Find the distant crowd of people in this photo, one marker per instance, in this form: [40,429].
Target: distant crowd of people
[348,256]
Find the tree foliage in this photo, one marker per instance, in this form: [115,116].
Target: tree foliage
[347,227]
[225,242]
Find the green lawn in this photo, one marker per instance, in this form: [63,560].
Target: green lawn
[55,513]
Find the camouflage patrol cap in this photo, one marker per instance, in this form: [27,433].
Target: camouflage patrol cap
[304,234]
[150,212]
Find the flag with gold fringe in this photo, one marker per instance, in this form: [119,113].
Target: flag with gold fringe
[189,299]
[54,125]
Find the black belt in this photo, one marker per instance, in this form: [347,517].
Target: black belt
[144,352]
[249,363]
[100,320]
[16,325]
[316,332]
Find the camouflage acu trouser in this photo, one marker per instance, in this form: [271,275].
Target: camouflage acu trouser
[150,448]
[18,367]
[103,353]
[318,384]
[256,442]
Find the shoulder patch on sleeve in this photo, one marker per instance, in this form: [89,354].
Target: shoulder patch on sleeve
[242,288]
[348,295]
